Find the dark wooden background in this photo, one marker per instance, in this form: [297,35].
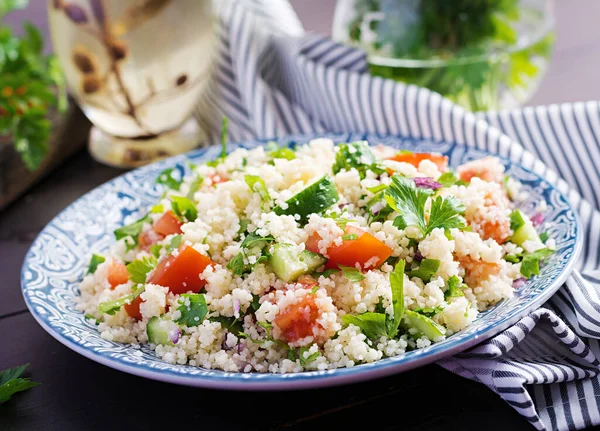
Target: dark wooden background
[78,394]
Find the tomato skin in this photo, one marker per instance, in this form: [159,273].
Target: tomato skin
[133,309]
[168,224]
[181,273]
[297,320]
[416,158]
[351,252]
[117,274]
[148,238]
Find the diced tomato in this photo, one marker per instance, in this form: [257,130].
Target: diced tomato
[217,179]
[353,251]
[181,273]
[168,224]
[416,158]
[133,309]
[297,321]
[148,238]
[478,270]
[117,274]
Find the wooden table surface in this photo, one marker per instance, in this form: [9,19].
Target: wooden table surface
[77,394]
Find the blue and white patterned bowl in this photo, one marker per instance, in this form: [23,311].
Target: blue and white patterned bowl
[58,257]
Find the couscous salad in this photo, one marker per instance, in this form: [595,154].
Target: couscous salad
[282,260]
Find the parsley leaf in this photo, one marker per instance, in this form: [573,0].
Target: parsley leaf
[512,258]
[544,236]
[257,185]
[255,240]
[530,265]
[166,178]
[445,214]
[132,230]
[447,179]
[397,285]
[184,208]
[350,237]
[252,240]
[194,186]
[455,287]
[11,382]
[352,273]
[359,156]
[157,209]
[373,325]
[426,269]
[94,262]
[194,313]
[231,324]
[305,360]
[276,152]
[409,201]
[111,307]
[516,220]
[139,269]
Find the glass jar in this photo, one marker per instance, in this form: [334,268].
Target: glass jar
[481,54]
[138,70]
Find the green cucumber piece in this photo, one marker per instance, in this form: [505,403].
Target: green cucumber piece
[524,231]
[288,264]
[314,199]
[159,331]
[424,325]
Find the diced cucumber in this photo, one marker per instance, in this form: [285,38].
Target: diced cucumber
[523,228]
[288,264]
[316,198]
[162,331]
[424,325]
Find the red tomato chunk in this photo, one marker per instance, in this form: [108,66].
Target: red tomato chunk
[297,321]
[353,251]
[181,272]
[416,158]
[117,274]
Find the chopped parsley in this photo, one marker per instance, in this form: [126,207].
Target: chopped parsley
[184,208]
[132,230]
[447,179]
[193,309]
[157,209]
[352,273]
[513,258]
[350,237]
[359,156]
[455,288]
[516,220]
[231,324]
[257,185]
[166,178]
[429,312]
[544,236]
[94,262]
[254,241]
[11,382]
[397,285]
[373,325]
[194,186]
[276,152]
[426,269]
[530,265]
[111,307]
[139,268]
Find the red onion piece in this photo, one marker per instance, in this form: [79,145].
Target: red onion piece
[519,282]
[174,334]
[426,183]
[537,219]
[418,257]
[236,307]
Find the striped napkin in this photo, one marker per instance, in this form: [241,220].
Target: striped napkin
[272,80]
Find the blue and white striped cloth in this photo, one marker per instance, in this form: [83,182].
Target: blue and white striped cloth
[272,81]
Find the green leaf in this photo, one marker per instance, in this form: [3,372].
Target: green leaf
[257,185]
[373,325]
[530,265]
[193,309]
[408,201]
[445,214]
[155,250]
[544,236]
[30,133]
[512,258]
[352,273]
[157,209]
[350,237]
[516,220]
[139,269]
[11,382]
[184,208]
[397,285]
[308,359]
[7,6]
[174,243]
[276,152]
[447,179]
[231,324]
[255,240]
[426,269]
[357,155]
[132,230]
[94,262]
[111,307]
[167,178]
[455,288]
[194,186]
[237,265]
